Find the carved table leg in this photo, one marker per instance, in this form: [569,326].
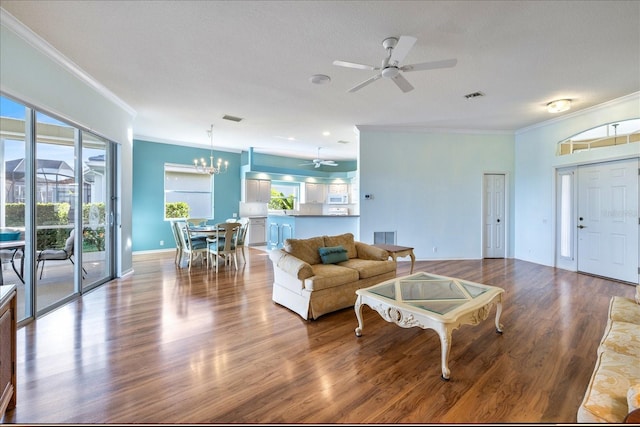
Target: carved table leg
[358,308]
[498,313]
[445,342]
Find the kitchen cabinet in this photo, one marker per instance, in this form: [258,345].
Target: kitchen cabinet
[313,193]
[8,348]
[280,228]
[257,190]
[257,233]
[339,188]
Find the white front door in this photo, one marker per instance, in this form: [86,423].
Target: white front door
[494,234]
[608,219]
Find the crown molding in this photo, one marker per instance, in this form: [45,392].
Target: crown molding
[425,129]
[25,33]
[607,104]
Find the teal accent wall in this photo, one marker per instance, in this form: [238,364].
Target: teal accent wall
[148,224]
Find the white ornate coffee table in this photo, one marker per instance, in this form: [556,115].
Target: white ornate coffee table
[431,302]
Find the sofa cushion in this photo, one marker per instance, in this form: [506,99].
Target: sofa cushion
[345,240]
[369,268]
[624,309]
[333,254]
[329,276]
[305,249]
[623,338]
[606,397]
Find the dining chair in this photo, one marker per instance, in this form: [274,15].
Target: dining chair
[242,234]
[58,254]
[176,236]
[194,222]
[223,245]
[192,247]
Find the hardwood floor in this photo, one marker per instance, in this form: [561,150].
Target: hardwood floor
[166,346]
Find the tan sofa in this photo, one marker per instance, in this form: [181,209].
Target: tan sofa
[307,286]
[614,388]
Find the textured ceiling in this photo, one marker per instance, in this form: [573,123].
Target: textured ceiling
[182,65]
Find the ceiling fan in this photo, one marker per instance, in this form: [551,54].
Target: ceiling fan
[317,162]
[397,50]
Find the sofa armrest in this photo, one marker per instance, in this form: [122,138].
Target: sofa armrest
[366,251]
[290,264]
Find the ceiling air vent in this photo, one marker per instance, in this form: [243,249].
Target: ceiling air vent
[473,95]
[342,141]
[232,118]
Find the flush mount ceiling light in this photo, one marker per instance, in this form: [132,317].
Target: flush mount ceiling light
[559,105]
[319,79]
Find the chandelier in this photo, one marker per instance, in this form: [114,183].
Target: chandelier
[212,168]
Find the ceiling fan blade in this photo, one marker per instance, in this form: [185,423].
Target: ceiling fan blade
[402,83]
[446,63]
[354,65]
[329,163]
[405,43]
[364,83]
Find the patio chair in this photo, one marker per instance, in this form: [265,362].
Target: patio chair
[61,254]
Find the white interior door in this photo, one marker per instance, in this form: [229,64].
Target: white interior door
[608,219]
[494,235]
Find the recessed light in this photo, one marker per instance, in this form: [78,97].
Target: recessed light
[319,79]
[326,133]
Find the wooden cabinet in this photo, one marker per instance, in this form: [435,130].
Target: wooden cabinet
[7,348]
[313,193]
[257,233]
[257,190]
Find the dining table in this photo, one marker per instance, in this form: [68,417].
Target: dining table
[15,246]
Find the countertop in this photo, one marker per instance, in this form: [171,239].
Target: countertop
[315,216]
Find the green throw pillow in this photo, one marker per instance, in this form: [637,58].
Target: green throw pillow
[333,254]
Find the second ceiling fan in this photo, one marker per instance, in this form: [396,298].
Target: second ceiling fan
[397,50]
[317,162]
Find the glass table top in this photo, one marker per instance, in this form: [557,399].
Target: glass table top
[430,292]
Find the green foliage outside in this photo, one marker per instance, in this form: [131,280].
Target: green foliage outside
[176,210]
[58,214]
[280,201]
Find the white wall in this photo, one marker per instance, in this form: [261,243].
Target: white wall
[535,164]
[427,187]
[36,74]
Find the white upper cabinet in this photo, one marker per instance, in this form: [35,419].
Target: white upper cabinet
[257,190]
[314,193]
[339,188]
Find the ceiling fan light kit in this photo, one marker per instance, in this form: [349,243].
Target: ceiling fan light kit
[397,49]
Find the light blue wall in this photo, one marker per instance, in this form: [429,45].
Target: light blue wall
[536,164]
[149,226]
[428,188]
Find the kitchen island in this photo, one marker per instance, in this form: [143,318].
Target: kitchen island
[281,227]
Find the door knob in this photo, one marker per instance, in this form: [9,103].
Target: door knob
[498,220]
[581,226]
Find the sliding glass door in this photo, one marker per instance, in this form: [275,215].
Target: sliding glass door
[97,210]
[57,217]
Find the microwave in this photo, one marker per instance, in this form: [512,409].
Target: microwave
[338,199]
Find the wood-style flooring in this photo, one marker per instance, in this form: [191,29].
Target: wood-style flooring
[167,346]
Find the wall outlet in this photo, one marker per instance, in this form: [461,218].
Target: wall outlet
[235,214]
[435,249]
[161,242]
